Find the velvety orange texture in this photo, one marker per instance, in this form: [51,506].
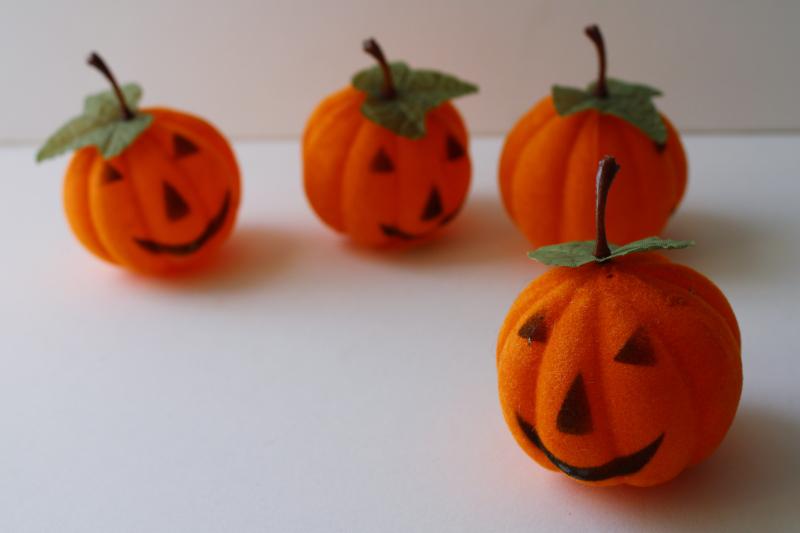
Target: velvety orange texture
[547,171]
[379,200]
[689,392]
[175,187]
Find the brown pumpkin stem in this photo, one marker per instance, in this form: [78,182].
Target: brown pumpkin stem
[372,47]
[97,62]
[593,32]
[606,171]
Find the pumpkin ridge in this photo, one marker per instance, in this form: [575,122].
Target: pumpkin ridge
[93,176]
[548,294]
[570,174]
[681,370]
[570,143]
[349,154]
[513,172]
[576,291]
[81,187]
[349,104]
[653,170]
[506,168]
[655,280]
[606,426]
[330,104]
[120,254]
[331,118]
[523,303]
[695,399]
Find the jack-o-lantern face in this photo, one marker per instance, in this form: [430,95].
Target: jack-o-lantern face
[379,187]
[164,204]
[623,372]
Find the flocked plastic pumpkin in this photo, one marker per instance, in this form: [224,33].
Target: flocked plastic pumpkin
[545,170]
[618,367]
[386,160]
[154,190]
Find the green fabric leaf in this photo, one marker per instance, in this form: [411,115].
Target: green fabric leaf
[106,104]
[577,253]
[418,91]
[629,101]
[102,124]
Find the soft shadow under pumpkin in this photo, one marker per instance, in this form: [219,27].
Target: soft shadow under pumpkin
[754,470]
[251,258]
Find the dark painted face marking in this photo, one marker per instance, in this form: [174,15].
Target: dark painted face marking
[111,174]
[176,206]
[660,147]
[182,146]
[211,229]
[637,350]
[381,162]
[574,417]
[433,207]
[619,466]
[534,329]
[454,149]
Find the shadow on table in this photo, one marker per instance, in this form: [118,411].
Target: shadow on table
[254,255]
[482,233]
[754,474]
[727,246]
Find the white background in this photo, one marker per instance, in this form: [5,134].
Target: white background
[257,68]
[301,384]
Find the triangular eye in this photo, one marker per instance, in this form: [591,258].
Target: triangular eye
[111,174]
[534,329]
[183,146]
[381,162]
[454,149]
[637,350]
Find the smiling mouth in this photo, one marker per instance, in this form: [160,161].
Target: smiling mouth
[211,229]
[397,233]
[619,466]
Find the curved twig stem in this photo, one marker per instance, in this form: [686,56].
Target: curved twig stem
[593,32]
[97,62]
[372,47]
[606,171]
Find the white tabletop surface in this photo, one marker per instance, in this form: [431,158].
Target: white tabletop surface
[304,385]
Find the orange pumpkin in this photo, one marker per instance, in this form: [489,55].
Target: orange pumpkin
[165,201]
[386,160]
[545,172]
[626,369]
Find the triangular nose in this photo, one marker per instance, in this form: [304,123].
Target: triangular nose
[574,417]
[176,206]
[433,208]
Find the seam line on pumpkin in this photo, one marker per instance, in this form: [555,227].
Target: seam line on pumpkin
[137,203]
[680,370]
[655,280]
[525,146]
[600,384]
[512,167]
[562,189]
[342,169]
[555,316]
[551,334]
[96,164]
[643,183]
[335,113]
